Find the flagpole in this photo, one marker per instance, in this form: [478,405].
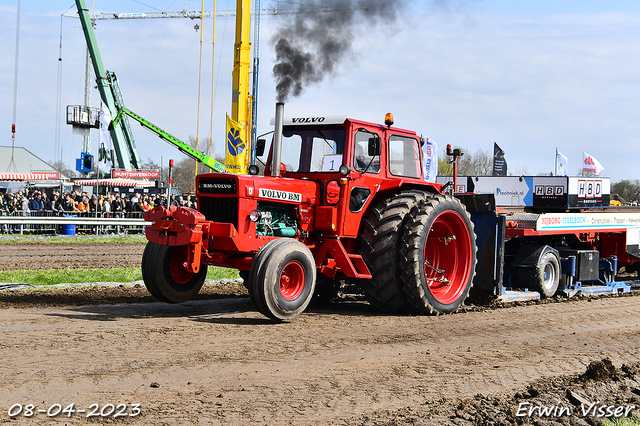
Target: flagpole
[556,162]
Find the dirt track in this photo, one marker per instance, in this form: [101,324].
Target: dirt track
[34,254]
[217,361]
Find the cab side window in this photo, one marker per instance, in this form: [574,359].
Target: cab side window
[404,156]
[361,159]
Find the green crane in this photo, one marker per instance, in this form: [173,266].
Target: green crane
[126,152]
[121,135]
[212,163]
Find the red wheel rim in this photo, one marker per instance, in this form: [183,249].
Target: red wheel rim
[448,257]
[178,271]
[291,281]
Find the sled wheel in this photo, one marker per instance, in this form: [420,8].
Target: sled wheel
[438,256]
[168,277]
[284,279]
[539,269]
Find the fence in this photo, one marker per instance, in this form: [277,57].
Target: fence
[53,222]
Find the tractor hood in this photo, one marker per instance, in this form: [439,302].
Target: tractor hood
[284,190]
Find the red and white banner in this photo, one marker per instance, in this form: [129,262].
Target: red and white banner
[136,174]
[30,176]
[590,164]
[115,182]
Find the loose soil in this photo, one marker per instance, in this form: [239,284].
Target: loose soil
[35,254]
[217,361]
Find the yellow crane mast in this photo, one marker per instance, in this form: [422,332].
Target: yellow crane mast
[240,95]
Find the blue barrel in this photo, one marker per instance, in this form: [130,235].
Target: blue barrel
[69,229]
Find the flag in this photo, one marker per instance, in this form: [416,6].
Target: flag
[499,163]
[590,164]
[235,160]
[430,151]
[105,120]
[561,164]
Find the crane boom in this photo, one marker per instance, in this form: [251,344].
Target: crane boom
[212,163]
[127,158]
[197,14]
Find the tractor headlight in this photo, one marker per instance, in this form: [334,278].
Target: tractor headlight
[345,170]
[254,216]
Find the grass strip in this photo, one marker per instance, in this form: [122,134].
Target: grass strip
[124,239]
[74,276]
[629,421]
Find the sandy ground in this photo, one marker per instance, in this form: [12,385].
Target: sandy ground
[34,254]
[217,361]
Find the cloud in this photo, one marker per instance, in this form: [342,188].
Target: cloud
[530,83]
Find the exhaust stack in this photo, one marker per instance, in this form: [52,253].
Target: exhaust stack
[277,140]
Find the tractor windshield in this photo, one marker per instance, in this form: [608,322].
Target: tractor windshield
[317,149]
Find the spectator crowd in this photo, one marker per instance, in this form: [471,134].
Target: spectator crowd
[38,203]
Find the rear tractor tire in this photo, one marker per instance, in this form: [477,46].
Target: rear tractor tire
[438,256]
[282,279]
[379,246]
[166,277]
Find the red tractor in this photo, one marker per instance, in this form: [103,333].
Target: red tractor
[340,199]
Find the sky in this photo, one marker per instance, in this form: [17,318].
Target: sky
[531,76]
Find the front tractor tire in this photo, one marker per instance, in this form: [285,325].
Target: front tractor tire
[438,256]
[166,276]
[282,279]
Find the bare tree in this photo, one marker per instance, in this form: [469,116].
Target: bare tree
[478,164]
[184,170]
[62,168]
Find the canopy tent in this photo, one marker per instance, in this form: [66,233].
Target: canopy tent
[30,176]
[116,182]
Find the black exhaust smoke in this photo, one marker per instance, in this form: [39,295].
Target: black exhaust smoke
[309,47]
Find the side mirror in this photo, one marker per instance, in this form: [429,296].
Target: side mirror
[260,143]
[333,193]
[375,146]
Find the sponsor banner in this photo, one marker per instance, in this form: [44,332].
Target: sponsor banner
[519,191]
[273,194]
[561,164]
[590,164]
[105,120]
[548,222]
[508,191]
[430,150]
[499,163]
[135,174]
[236,149]
[589,192]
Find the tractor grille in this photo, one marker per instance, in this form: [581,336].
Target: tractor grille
[222,210]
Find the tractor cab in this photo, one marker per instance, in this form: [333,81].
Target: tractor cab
[324,144]
[351,160]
